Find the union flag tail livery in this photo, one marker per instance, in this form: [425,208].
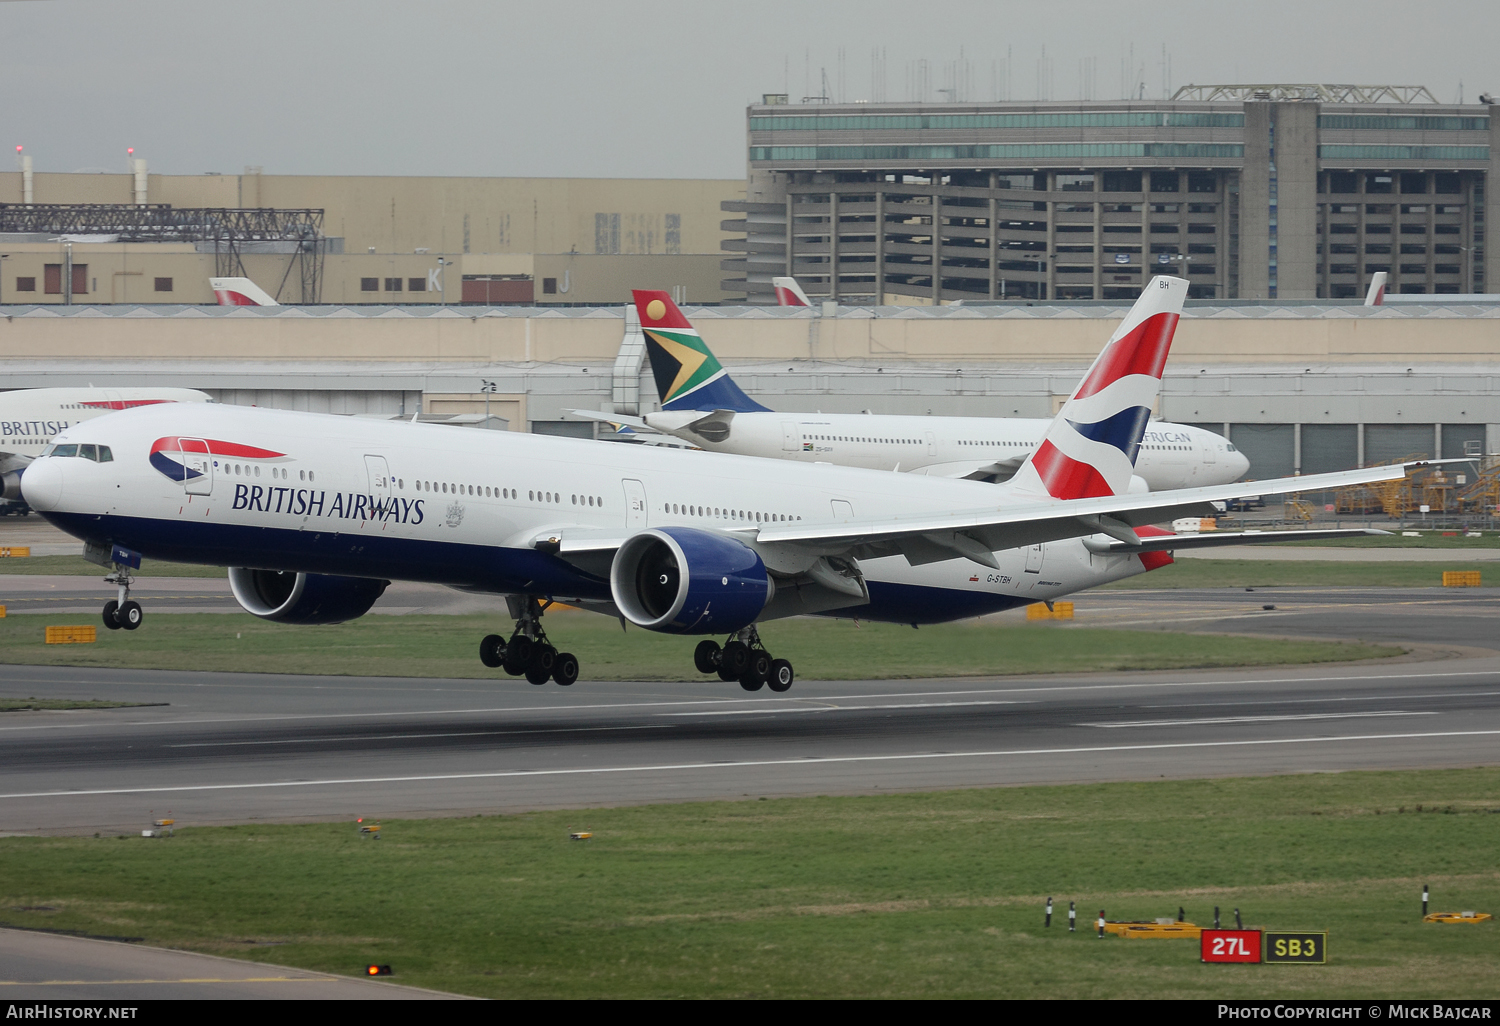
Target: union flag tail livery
[1091,447]
[688,377]
[789,293]
[240,292]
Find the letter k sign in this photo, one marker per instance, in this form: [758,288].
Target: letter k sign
[434,282]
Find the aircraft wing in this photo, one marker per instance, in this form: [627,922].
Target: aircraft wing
[1213,539]
[975,470]
[976,534]
[618,419]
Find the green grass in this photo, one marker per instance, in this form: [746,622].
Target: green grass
[78,566]
[447,646]
[917,895]
[1247,573]
[35,704]
[1428,540]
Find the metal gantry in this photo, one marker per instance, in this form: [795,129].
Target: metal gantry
[295,233]
[1322,91]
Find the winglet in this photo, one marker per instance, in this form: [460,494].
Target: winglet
[688,377]
[789,293]
[1090,448]
[1376,295]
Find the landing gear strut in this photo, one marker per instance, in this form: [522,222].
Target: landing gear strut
[745,659]
[528,652]
[122,611]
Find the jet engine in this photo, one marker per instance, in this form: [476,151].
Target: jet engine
[10,485]
[681,580]
[287,597]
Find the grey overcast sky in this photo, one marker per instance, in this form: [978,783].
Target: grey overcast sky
[654,88]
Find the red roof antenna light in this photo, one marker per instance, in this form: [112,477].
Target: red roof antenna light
[130,150]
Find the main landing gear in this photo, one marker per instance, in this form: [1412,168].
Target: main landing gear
[122,611]
[528,652]
[745,659]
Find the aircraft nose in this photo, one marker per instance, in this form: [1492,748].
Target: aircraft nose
[1242,464]
[42,484]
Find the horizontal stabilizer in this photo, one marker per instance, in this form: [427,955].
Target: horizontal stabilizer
[1214,539]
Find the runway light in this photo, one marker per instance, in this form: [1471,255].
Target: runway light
[377,970]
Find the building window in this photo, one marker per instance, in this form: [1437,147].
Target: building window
[672,236]
[163,284]
[549,286]
[393,284]
[52,279]
[369,284]
[25,284]
[416,284]
[1164,181]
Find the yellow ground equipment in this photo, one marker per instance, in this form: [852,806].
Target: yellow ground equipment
[83,635]
[1158,929]
[1457,917]
[1059,611]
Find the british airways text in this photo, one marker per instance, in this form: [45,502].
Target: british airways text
[307,502]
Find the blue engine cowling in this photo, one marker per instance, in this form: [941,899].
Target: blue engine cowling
[287,597]
[680,580]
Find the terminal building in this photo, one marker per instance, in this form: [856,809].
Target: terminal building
[1251,192]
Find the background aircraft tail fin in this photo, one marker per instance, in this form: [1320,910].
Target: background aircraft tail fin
[240,292]
[1376,295]
[1090,448]
[688,377]
[789,293]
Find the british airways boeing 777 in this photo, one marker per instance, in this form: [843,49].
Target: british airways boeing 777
[315,514]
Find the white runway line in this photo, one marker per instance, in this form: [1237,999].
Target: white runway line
[836,708]
[698,766]
[1255,719]
[416,737]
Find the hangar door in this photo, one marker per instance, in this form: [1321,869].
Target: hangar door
[1268,447]
[1384,442]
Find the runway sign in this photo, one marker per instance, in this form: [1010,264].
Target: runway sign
[84,635]
[1461,578]
[1297,947]
[15,550]
[1230,946]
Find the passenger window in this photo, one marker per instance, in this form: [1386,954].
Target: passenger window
[89,452]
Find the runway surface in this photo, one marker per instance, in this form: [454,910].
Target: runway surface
[47,967]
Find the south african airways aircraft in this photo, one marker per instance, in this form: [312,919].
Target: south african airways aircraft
[316,514]
[702,404]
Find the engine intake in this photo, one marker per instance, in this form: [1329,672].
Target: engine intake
[287,597]
[680,580]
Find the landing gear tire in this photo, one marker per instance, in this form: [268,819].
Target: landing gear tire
[706,656]
[750,682]
[759,665]
[518,653]
[130,615]
[733,660]
[781,675]
[537,676]
[565,668]
[543,658]
[492,651]
[112,615]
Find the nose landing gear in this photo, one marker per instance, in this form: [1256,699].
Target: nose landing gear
[528,653]
[122,611]
[745,659]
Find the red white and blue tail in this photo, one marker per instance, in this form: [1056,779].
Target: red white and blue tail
[240,292]
[1376,295]
[1091,446]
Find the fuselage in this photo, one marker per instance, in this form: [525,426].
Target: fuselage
[236,486]
[31,417]
[1171,455]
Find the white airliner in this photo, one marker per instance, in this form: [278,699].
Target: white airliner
[315,514]
[703,405]
[30,417]
[789,293]
[240,292]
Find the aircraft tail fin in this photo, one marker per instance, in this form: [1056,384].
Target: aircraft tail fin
[1376,295]
[1090,448]
[688,376]
[789,293]
[240,292]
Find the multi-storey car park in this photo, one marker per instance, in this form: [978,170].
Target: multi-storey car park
[1251,192]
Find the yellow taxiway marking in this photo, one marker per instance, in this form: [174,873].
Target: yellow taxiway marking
[190,979]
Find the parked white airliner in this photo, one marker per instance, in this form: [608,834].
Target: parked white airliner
[31,417]
[702,404]
[315,514]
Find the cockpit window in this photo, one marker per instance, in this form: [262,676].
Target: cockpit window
[89,452]
[1230,447]
[105,456]
[70,449]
